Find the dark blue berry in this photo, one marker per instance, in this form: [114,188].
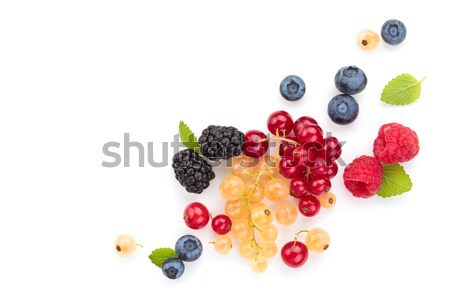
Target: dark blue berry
[393,32]
[343,109]
[350,80]
[188,248]
[173,268]
[292,88]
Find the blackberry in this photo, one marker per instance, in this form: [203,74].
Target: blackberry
[218,142]
[192,171]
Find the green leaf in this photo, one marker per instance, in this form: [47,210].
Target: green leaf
[395,181]
[158,256]
[188,138]
[402,90]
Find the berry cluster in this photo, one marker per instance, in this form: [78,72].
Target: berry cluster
[302,167]
[395,143]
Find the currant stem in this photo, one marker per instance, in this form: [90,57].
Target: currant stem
[212,243]
[140,245]
[281,138]
[302,231]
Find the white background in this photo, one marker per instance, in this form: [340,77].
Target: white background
[77,74]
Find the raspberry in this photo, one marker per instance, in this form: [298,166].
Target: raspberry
[192,171]
[221,143]
[363,176]
[395,143]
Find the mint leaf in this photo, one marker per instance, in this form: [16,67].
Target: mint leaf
[395,181]
[402,90]
[158,256]
[187,137]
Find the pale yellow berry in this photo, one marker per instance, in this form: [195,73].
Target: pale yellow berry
[248,249]
[223,244]
[286,213]
[240,229]
[327,200]
[268,249]
[317,240]
[367,39]
[125,245]
[269,233]
[232,187]
[244,167]
[276,190]
[259,264]
[254,192]
[261,215]
[236,208]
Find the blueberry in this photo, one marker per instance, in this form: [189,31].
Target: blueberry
[393,32]
[173,268]
[188,248]
[343,109]
[350,80]
[292,88]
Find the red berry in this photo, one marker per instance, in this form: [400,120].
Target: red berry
[287,148]
[302,122]
[310,133]
[319,185]
[363,176]
[281,121]
[289,168]
[294,254]
[332,149]
[309,205]
[221,224]
[321,169]
[196,215]
[298,187]
[308,154]
[253,148]
[395,143]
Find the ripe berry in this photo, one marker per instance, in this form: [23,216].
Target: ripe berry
[289,168]
[393,32]
[350,80]
[125,245]
[368,40]
[292,88]
[363,176]
[303,122]
[327,200]
[196,215]
[294,254]
[299,187]
[332,149]
[324,170]
[221,224]
[253,148]
[343,109]
[308,154]
[188,248]
[319,185]
[173,268]
[310,133]
[281,121]
[287,148]
[317,240]
[309,205]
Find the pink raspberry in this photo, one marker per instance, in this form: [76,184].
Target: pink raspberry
[363,176]
[395,143]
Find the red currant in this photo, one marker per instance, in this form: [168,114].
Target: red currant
[196,215]
[302,122]
[299,187]
[287,148]
[253,148]
[332,149]
[309,205]
[289,168]
[321,169]
[319,185]
[308,154]
[310,133]
[281,121]
[294,254]
[221,224]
